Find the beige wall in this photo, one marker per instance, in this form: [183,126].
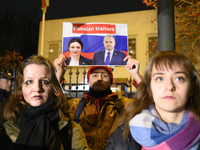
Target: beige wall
[139,26]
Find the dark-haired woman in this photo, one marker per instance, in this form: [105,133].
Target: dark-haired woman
[75,47]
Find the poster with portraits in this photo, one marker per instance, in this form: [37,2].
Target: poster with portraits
[94,43]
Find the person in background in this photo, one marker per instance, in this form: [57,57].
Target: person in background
[109,56]
[99,108]
[164,113]
[75,47]
[37,112]
[5,89]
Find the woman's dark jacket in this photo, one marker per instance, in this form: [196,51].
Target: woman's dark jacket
[82,61]
[116,141]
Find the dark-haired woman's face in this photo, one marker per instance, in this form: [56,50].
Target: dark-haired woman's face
[75,49]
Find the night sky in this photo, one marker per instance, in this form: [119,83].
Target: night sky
[74,8]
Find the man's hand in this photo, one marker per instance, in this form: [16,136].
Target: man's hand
[60,66]
[133,67]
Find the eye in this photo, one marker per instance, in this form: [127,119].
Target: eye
[159,79]
[46,82]
[28,82]
[105,76]
[94,75]
[180,79]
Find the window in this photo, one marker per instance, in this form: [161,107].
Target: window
[132,47]
[54,50]
[152,46]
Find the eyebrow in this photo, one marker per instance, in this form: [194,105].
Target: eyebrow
[161,73]
[40,78]
[75,46]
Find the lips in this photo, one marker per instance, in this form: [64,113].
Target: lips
[37,97]
[99,84]
[169,97]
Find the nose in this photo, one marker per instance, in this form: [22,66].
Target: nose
[37,87]
[170,85]
[99,77]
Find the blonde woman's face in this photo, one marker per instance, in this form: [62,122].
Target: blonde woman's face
[36,87]
[171,89]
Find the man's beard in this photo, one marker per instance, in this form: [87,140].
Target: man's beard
[98,86]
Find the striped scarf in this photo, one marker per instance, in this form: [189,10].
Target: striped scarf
[153,134]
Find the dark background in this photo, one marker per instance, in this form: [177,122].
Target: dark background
[19,19]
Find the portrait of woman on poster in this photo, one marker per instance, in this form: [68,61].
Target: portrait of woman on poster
[75,47]
[37,113]
[164,113]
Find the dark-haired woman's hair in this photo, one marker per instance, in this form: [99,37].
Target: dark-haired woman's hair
[16,102]
[75,40]
[143,97]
